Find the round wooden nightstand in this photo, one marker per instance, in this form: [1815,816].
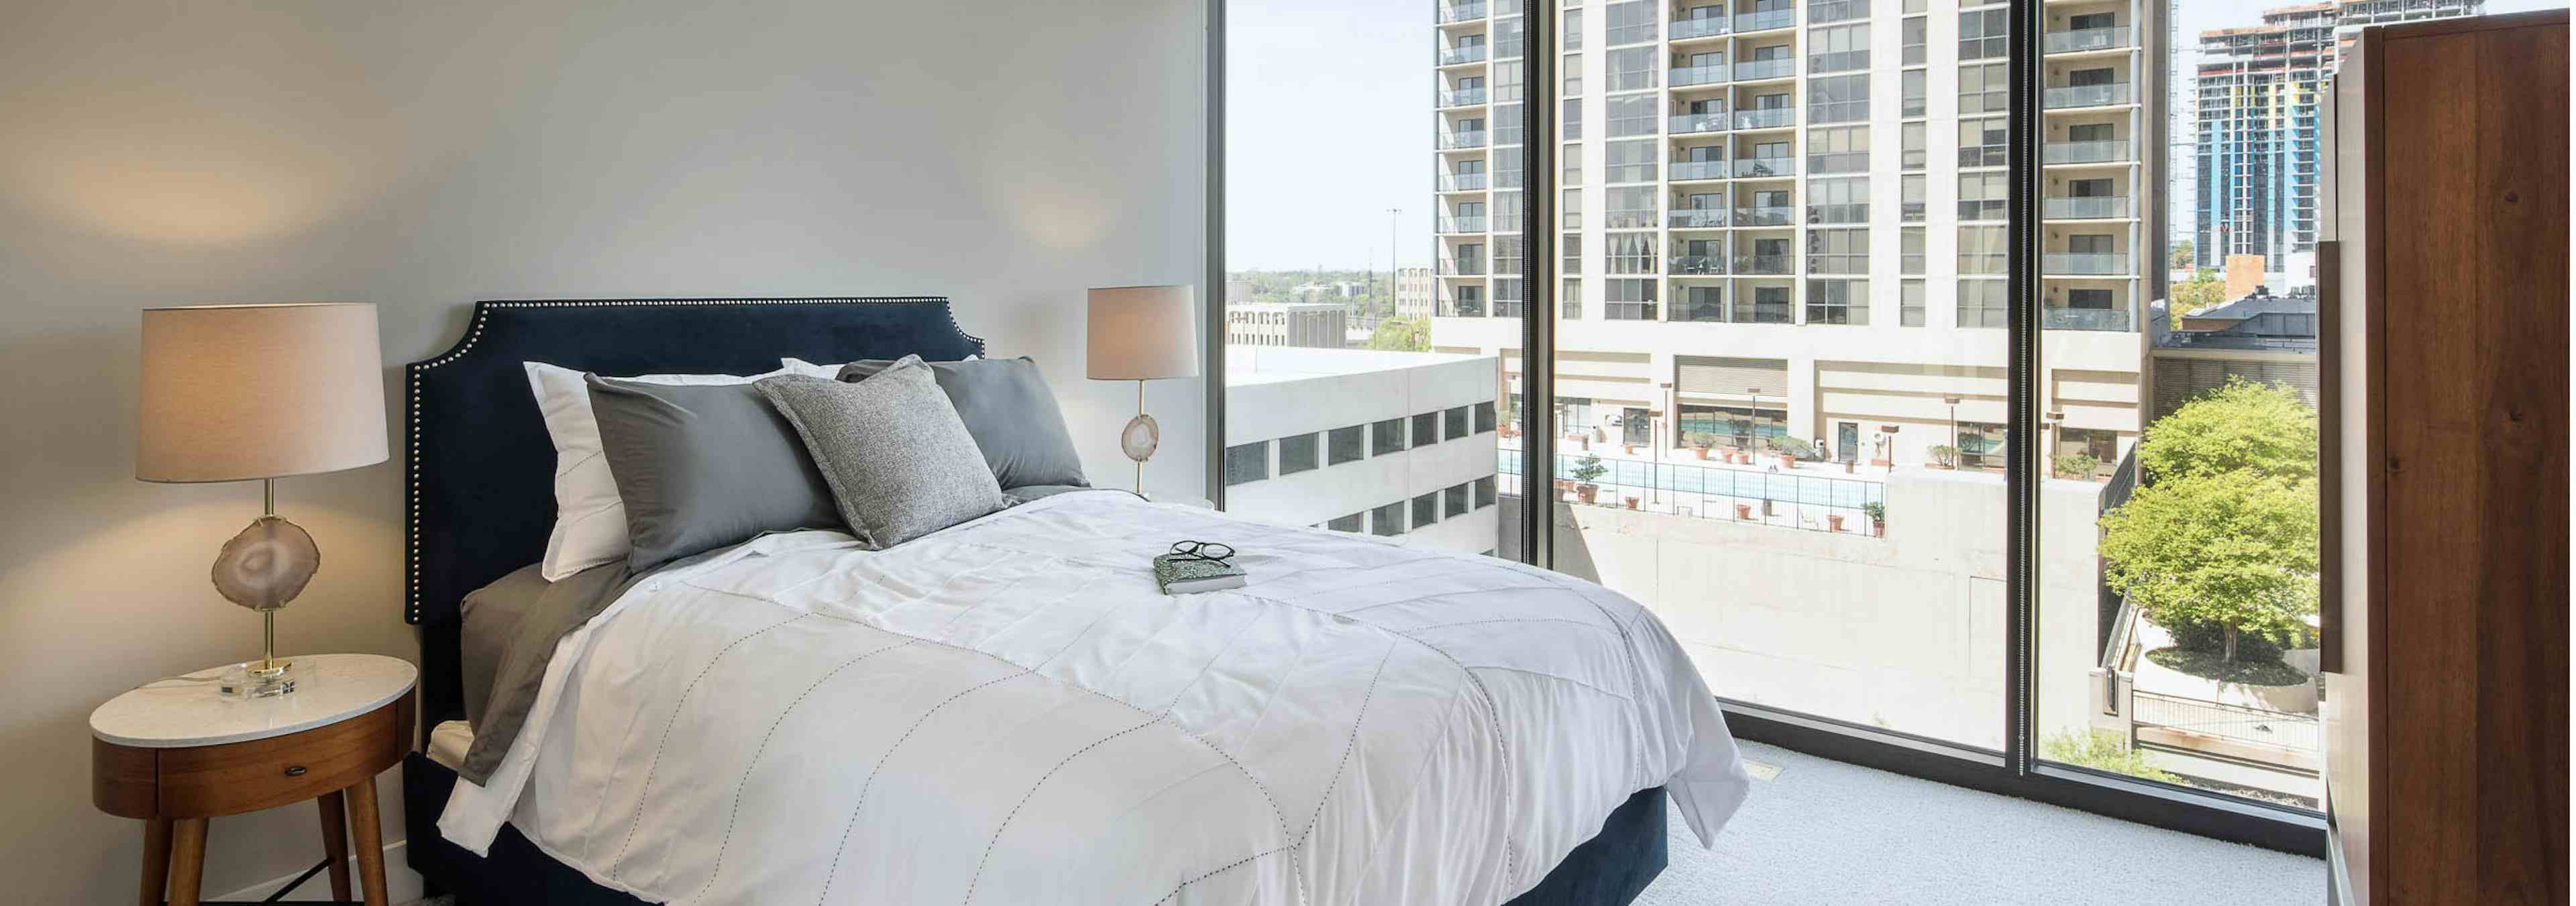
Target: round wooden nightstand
[175,755]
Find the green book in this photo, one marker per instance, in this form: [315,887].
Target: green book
[1178,574]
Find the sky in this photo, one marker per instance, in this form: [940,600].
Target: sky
[1329,119]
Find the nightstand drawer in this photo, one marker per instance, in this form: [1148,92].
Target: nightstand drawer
[229,779]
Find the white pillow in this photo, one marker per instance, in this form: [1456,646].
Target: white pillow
[590,519]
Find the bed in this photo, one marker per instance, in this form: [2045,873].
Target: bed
[1005,710]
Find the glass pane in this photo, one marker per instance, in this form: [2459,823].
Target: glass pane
[2178,591]
[1763,391]
[1345,244]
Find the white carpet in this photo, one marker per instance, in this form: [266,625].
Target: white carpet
[1831,833]
[1824,832]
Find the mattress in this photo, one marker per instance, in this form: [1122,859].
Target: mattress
[1007,710]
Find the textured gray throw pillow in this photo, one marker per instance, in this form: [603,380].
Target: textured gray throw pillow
[1006,405]
[897,457]
[703,466]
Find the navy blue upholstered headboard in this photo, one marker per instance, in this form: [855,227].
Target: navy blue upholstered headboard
[481,481]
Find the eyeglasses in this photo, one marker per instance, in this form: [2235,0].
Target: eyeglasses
[1202,550]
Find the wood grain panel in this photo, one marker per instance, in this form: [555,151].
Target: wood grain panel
[2521,406]
[207,781]
[2431,293]
[124,781]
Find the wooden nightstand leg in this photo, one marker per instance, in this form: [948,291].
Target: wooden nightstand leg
[187,860]
[370,839]
[156,860]
[335,841]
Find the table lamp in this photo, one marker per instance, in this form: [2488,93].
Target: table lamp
[242,392]
[1142,333]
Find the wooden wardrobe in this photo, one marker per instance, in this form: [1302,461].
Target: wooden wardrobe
[2444,316]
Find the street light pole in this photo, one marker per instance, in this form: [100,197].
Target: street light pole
[1753,419]
[1958,455]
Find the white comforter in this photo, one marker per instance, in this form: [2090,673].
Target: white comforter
[1008,712]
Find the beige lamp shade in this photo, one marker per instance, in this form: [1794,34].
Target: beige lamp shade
[233,392]
[1143,333]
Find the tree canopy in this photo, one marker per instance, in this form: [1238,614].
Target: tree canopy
[1401,335]
[2202,290]
[2242,426]
[2224,532]
[2234,549]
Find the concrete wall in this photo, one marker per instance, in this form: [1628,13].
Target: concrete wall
[1284,391]
[423,156]
[1904,631]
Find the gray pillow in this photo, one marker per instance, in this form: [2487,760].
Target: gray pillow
[1006,405]
[893,450]
[704,466]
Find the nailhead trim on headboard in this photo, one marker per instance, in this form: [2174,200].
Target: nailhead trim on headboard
[474,334]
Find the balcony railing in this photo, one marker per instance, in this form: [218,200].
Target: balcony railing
[1697,28]
[1460,12]
[1752,167]
[2097,208]
[2085,95]
[1688,123]
[1462,267]
[1695,265]
[1838,213]
[2083,39]
[2093,152]
[1706,74]
[1777,215]
[1507,223]
[1462,308]
[1629,219]
[1767,19]
[2110,319]
[1750,70]
[1461,225]
[2236,723]
[1462,139]
[1695,218]
[1462,97]
[1712,310]
[1777,499]
[1701,169]
[1838,162]
[2112,263]
[1781,265]
[1450,56]
[1765,118]
[1462,182]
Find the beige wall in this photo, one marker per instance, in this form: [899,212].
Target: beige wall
[425,155]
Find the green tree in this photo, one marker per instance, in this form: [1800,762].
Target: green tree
[1401,335]
[2223,534]
[2234,550]
[2202,290]
[2242,426]
[2182,251]
[2102,751]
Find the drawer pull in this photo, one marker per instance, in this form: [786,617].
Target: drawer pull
[295,770]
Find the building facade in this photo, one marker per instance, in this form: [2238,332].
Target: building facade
[1787,219]
[1415,287]
[1315,325]
[1387,443]
[2257,92]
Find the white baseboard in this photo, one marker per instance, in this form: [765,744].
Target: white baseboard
[402,885]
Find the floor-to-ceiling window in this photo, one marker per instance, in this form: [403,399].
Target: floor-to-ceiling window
[1862,327]
[1350,229]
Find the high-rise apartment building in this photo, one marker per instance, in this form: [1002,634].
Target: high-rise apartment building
[2257,91]
[1788,218]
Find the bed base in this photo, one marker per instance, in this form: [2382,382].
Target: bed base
[1608,870]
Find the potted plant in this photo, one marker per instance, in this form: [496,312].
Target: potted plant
[1586,471]
[1698,444]
[1877,513]
[2075,465]
[1944,456]
[1834,521]
[1630,500]
[1631,448]
[1744,512]
[1787,450]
